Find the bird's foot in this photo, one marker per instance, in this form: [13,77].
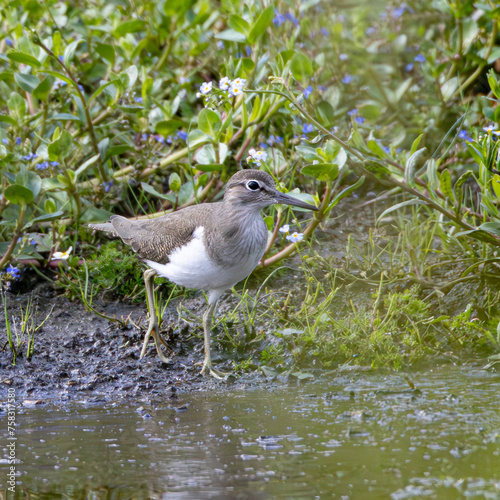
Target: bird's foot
[207,367]
[153,330]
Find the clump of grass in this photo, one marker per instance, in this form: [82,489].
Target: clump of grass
[115,269]
[21,330]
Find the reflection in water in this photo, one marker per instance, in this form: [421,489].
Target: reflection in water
[356,435]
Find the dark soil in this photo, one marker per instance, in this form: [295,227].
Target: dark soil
[80,355]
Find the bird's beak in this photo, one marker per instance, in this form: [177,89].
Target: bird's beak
[287,199]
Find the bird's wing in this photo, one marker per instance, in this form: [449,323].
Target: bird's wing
[155,239]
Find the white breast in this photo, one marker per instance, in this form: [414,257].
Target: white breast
[190,266]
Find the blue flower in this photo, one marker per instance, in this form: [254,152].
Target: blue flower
[347,79]
[295,237]
[409,67]
[107,186]
[182,135]
[420,58]
[307,128]
[321,88]
[59,83]
[464,135]
[54,163]
[359,119]
[139,99]
[5,141]
[398,11]
[219,44]
[308,91]
[324,31]
[9,42]
[370,31]
[352,112]
[18,140]
[279,19]
[144,137]
[291,17]
[343,57]
[43,165]
[387,149]
[13,271]
[29,157]
[248,51]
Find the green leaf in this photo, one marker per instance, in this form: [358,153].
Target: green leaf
[27,82]
[322,171]
[231,36]
[206,155]
[174,182]
[370,111]
[132,26]
[64,117]
[407,203]
[100,89]
[209,122]
[44,218]
[263,22]
[69,51]
[415,144]
[462,179]
[22,57]
[376,149]
[84,166]
[61,147]
[491,227]
[301,67]
[151,190]
[177,7]
[376,168]
[18,195]
[43,89]
[196,138]
[8,119]
[116,150]
[94,214]
[445,183]
[106,51]
[33,182]
[346,192]
[414,162]
[167,127]
[238,24]
[495,87]
[213,167]
[18,107]
[325,113]
[62,77]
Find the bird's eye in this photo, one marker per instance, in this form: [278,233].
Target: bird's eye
[253,185]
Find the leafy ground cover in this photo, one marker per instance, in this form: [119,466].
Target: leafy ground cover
[109,107]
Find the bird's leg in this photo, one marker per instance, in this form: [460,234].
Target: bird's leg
[207,362]
[153,328]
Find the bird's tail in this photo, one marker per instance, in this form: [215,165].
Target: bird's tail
[107,227]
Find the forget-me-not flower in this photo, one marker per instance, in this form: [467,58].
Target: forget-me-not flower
[295,237]
[308,91]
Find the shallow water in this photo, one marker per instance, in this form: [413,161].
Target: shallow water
[345,435]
